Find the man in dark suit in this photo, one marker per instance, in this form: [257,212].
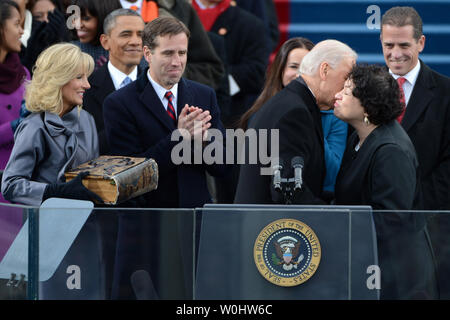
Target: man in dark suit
[294,112]
[427,98]
[141,117]
[123,40]
[142,120]
[426,119]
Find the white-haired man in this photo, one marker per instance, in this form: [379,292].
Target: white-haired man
[295,113]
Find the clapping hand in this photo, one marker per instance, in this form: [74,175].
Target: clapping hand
[194,123]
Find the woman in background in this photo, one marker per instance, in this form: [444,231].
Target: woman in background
[40,9]
[57,136]
[283,70]
[26,21]
[90,27]
[12,77]
[12,87]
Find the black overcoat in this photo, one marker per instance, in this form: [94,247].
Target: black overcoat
[296,116]
[384,175]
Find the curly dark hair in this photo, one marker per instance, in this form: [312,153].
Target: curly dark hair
[377,91]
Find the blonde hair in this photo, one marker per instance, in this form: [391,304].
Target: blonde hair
[331,51]
[54,68]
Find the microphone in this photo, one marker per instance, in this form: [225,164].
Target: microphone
[276,172]
[143,286]
[297,164]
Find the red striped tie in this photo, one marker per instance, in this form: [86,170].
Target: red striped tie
[170,108]
[400,82]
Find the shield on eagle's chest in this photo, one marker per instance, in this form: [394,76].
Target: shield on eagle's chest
[287,257]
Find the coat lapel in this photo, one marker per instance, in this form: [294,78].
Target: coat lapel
[102,84]
[421,96]
[184,96]
[311,104]
[150,99]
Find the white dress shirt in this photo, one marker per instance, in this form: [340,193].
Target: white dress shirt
[411,78]
[118,76]
[161,92]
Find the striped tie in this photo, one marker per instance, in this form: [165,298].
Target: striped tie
[400,82]
[170,108]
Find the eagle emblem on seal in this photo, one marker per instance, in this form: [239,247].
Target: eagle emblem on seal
[287,253]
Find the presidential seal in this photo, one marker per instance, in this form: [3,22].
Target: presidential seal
[287,252]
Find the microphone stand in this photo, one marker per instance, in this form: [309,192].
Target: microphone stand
[288,187]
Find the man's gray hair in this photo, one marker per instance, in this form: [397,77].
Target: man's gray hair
[110,20]
[330,51]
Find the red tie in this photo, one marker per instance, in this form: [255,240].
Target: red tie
[400,82]
[170,108]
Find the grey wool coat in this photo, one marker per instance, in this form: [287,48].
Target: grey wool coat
[46,146]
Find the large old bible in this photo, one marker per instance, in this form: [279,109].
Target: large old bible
[116,178]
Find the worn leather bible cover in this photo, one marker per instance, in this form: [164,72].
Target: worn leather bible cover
[117,178]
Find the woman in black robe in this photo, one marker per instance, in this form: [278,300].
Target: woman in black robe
[380,169]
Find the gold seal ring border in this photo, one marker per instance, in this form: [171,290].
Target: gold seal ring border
[259,259]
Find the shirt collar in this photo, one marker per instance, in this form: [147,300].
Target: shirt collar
[118,76]
[160,90]
[411,76]
[202,6]
[127,5]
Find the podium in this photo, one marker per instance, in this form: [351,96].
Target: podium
[223,252]
[228,267]
[168,254]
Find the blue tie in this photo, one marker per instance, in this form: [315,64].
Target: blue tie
[125,81]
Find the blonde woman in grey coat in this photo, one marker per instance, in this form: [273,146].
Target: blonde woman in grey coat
[58,135]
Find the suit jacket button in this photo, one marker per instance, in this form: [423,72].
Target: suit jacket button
[9,107]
